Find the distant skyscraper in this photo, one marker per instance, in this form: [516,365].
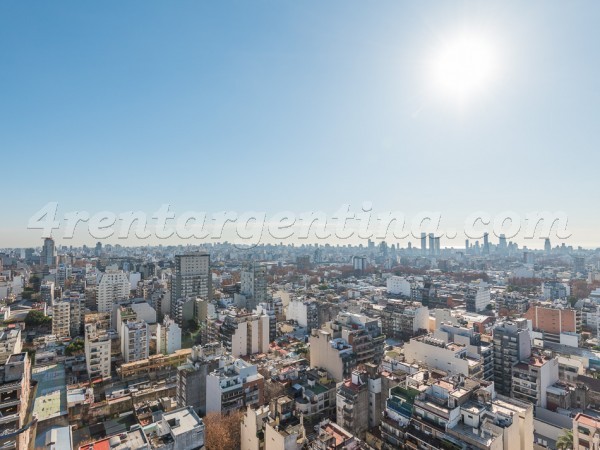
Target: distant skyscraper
[431,244]
[98,249]
[547,246]
[192,278]
[48,255]
[423,243]
[486,244]
[466,244]
[502,246]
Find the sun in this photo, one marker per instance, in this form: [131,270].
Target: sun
[464,67]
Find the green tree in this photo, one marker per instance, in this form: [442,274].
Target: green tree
[36,318]
[565,441]
[75,348]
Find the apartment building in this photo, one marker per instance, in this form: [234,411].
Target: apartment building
[358,402]
[245,333]
[113,287]
[468,337]
[586,432]
[305,312]
[362,333]
[135,438]
[398,286]
[532,377]
[180,429]
[333,354]
[552,321]
[428,412]
[97,346]
[273,427]
[47,292]
[477,296]
[10,342]
[16,402]
[315,395]
[403,319]
[253,286]
[555,290]
[191,376]
[192,278]
[511,304]
[512,344]
[61,318]
[168,336]
[233,385]
[284,429]
[452,357]
[135,340]
[77,308]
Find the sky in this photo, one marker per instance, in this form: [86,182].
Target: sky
[296,106]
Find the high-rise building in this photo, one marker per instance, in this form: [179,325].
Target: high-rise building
[61,318]
[245,334]
[16,403]
[47,292]
[192,278]
[404,319]
[253,286]
[114,286]
[48,254]
[547,246]
[135,340]
[359,263]
[431,244]
[340,345]
[502,245]
[423,243]
[168,337]
[512,344]
[191,376]
[97,352]
[358,402]
[486,243]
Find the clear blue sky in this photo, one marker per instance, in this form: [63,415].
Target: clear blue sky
[297,105]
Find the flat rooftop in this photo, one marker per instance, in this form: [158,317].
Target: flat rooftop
[51,398]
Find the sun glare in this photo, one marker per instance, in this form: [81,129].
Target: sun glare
[464,67]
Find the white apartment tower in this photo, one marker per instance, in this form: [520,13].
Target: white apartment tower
[97,352]
[135,344]
[168,337]
[113,286]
